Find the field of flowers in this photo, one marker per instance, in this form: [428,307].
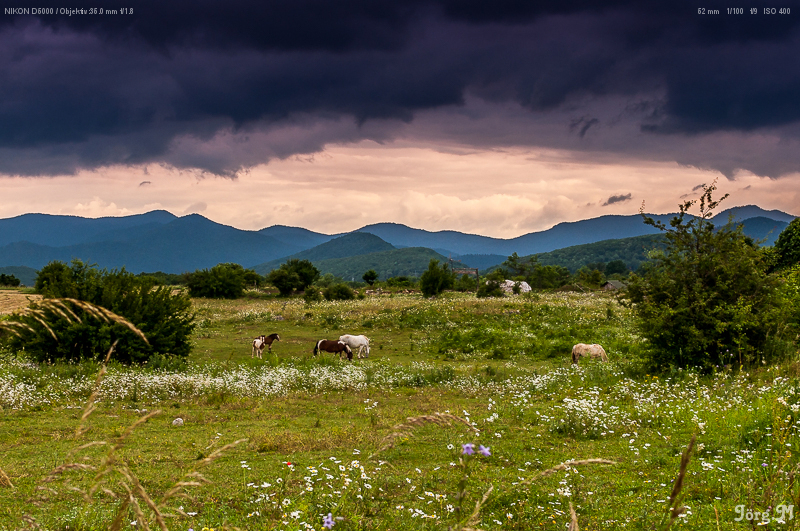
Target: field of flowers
[466,415]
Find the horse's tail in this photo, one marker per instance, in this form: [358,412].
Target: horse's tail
[316,347]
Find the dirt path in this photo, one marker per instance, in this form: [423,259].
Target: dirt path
[14,300]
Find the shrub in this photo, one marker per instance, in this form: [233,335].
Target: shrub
[9,280]
[223,281]
[293,275]
[312,295]
[435,279]
[706,299]
[787,246]
[339,292]
[370,277]
[490,288]
[163,317]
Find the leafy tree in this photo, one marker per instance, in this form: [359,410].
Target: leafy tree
[306,272]
[164,317]
[223,281]
[284,280]
[787,246]
[293,275]
[515,266]
[339,292]
[549,276]
[435,279]
[590,277]
[706,299]
[616,267]
[370,277]
[9,280]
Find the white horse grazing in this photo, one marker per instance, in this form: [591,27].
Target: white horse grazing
[594,351]
[356,342]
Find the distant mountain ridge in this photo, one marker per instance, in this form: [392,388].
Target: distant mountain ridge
[160,241]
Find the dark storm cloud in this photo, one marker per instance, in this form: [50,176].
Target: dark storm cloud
[617,199]
[209,85]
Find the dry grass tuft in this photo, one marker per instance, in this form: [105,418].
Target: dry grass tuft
[676,507]
[573,523]
[42,311]
[475,517]
[5,481]
[406,429]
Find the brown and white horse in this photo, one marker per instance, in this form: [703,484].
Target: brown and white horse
[263,341]
[333,346]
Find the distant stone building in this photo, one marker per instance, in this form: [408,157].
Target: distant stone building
[613,285]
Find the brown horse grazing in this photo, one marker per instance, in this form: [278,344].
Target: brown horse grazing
[263,341]
[595,351]
[333,346]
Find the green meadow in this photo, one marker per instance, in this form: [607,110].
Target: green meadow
[467,414]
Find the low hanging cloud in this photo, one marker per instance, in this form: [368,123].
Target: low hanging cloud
[194,86]
[617,199]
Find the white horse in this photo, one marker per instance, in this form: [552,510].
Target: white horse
[594,351]
[356,342]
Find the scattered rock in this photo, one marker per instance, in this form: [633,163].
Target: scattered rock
[177,422]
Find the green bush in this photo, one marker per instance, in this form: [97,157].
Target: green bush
[370,277]
[163,317]
[312,295]
[706,300]
[223,281]
[293,275]
[339,292]
[435,279]
[490,288]
[9,280]
[787,246]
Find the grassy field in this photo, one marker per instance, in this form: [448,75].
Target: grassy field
[296,442]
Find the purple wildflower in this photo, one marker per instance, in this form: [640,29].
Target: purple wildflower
[467,449]
[484,450]
[328,521]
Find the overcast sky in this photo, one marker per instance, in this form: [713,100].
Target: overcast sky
[497,118]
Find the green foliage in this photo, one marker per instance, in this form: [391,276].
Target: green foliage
[163,317]
[787,246]
[706,301]
[465,283]
[591,277]
[633,252]
[370,277]
[435,279]
[339,292]
[409,261]
[400,282]
[223,281]
[9,280]
[490,288]
[529,269]
[284,280]
[312,295]
[616,267]
[293,275]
